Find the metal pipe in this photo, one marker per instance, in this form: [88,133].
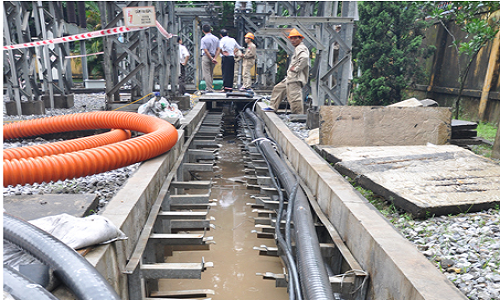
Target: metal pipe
[312,272]
[69,266]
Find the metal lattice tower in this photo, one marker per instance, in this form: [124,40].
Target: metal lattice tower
[329,80]
[20,64]
[136,61]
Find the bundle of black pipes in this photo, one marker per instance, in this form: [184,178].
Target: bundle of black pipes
[312,273]
[68,266]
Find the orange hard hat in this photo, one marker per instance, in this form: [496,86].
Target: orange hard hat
[250,36]
[294,32]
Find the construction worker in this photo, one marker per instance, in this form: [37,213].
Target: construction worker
[228,46]
[296,77]
[183,60]
[238,60]
[210,49]
[248,61]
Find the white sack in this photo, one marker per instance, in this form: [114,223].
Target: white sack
[80,232]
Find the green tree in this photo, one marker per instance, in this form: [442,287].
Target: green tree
[472,17]
[388,46]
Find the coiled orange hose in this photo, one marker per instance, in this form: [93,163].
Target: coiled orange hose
[109,137]
[160,136]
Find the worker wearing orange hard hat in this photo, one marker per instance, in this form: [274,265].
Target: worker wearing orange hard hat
[248,61]
[250,36]
[296,77]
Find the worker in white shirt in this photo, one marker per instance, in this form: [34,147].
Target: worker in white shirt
[183,59]
[228,46]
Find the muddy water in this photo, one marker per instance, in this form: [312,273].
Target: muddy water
[235,262]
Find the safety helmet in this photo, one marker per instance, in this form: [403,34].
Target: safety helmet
[294,32]
[250,36]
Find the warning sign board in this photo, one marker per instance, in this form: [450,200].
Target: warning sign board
[139,16]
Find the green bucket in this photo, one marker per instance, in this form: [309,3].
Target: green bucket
[217,84]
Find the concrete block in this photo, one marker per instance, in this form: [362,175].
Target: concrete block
[183,102]
[60,101]
[27,108]
[384,126]
[30,207]
[312,119]
[95,83]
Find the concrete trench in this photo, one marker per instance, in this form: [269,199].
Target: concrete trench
[349,227]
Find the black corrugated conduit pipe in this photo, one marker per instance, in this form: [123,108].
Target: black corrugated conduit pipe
[21,287]
[312,272]
[294,291]
[68,266]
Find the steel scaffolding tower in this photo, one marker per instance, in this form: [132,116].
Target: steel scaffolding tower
[20,65]
[330,74]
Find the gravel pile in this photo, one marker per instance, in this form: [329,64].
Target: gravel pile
[465,247]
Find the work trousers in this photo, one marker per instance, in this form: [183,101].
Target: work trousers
[293,92]
[207,67]
[227,72]
[182,80]
[247,76]
[237,64]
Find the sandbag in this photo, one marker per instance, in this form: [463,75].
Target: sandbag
[80,232]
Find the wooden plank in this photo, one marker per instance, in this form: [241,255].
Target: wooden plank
[459,134]
[461,124]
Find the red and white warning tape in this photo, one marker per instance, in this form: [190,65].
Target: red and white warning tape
[88,35]
[163,31]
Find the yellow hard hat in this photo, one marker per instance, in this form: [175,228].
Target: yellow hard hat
[250,36]
[294,32]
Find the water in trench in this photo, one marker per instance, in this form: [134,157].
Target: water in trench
[235,261]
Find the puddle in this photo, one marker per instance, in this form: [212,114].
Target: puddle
[235,262]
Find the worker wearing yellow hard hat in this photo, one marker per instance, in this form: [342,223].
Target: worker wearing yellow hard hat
[296,77]
[248,61]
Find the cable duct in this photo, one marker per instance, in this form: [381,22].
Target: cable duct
[312,272]
[78,158]
[68,266]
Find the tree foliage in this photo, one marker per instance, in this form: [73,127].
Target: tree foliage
[472,17]
[388,46]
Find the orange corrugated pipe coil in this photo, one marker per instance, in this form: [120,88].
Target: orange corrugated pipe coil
[45,163]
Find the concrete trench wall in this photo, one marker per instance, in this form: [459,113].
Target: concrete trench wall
[129,209]
[397,270]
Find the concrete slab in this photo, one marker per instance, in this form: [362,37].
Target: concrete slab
[29,207]
[422,180]
[384,126]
